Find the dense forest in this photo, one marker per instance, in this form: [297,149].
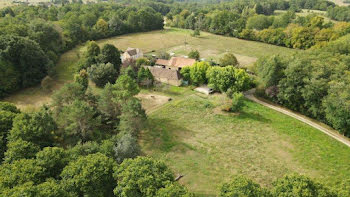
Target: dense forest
[315,83]
[33,37]
[256,21]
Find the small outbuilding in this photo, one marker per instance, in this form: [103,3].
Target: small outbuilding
[205,90]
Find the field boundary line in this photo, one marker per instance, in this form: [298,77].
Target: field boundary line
[250,95]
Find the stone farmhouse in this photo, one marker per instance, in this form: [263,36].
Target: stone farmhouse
[132,53]
[168,71]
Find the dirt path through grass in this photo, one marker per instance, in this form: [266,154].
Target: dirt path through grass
[317,125]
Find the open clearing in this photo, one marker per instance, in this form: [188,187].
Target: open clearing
[174,40]
[209,148]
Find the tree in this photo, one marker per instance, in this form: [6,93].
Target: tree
[5,106]
[102,27]
[241,186]
[20,172]
[174,190]
[20,149]
[109,107]
[237,102]
[126,147]
[79,120]
[8,112]
[125,88]
[229,77]
[299,186]
[132,117]
[38,128]
[9,78]
[198,73]
[102,74]
[90,175]
[185,73]
[82,79]
[270,70]
[141,176]
[303,37]
[259,22]
[110,54]
[92,49]
[291,86]
[145,77]
[53,160]
[66,96]
[336,104]
[51,188]
[194,54]
[228,59]
[29,62]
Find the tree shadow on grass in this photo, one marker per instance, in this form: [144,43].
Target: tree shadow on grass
[163,134]
[253,116]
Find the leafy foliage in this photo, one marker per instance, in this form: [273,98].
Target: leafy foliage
[241,186]
[90,175]
[141,177]
[102,74]
[228,59]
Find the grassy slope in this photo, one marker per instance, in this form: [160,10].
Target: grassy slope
[170,39]
[210,147]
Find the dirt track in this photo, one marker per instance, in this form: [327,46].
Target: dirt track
[250,95]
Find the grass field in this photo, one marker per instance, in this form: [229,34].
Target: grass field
[171,40]
[208,147]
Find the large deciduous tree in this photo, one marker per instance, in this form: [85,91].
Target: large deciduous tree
[141,177]
[90,175]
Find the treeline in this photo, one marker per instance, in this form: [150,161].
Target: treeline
[290,185]
[33,37]
[253,23]
[315,83]
[339,13]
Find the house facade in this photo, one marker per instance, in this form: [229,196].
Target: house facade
[132,53]
[168,76]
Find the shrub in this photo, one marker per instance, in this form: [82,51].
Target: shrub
[228,59]
[194,54]
[237,102]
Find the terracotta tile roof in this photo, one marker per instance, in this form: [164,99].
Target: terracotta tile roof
[169,74]
[181,62]
[162,62]
[176,62]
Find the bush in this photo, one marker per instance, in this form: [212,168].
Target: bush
[237,102]
[228,59]
[194,54]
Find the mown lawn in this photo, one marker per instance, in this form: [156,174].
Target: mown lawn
[210,46]
[209,147]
